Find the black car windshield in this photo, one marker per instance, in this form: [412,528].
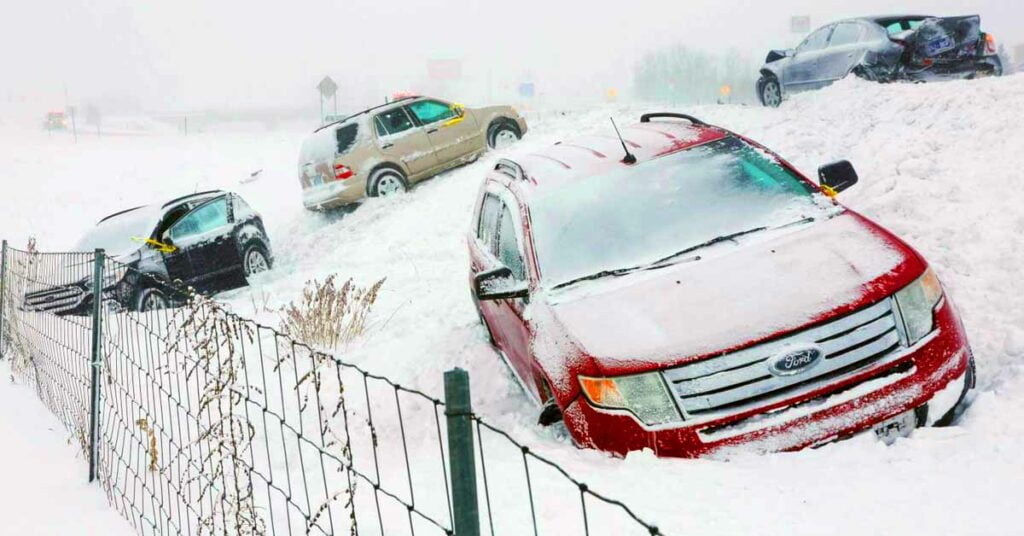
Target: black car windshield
[122,233]
[641,214]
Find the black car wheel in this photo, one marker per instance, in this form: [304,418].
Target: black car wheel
[771,92]
[387,181]
[255,260]
[501,135]
[151,299]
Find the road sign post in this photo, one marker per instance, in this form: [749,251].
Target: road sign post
[328,89]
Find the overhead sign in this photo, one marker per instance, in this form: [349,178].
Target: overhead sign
[327,87]
[527,90]
[800,24]
[444,69]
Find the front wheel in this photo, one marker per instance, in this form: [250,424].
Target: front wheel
[502,135]
[151,299]
[771,92]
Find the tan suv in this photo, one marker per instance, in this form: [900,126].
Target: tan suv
[384,150]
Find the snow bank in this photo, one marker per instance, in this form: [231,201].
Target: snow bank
[939,165]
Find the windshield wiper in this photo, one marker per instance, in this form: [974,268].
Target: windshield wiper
[603,273]
[718,239]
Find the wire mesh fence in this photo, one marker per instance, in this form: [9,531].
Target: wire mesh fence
[198,421]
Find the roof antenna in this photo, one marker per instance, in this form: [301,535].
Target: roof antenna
[629,158]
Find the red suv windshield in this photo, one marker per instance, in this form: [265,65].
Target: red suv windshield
[641,214]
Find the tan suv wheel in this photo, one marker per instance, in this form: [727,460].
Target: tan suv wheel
[387,181]
[502,135]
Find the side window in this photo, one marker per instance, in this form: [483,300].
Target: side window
[508,245]
[845,34]
[346,137]
[431,111]
[816,41]
[392,122]
[204,219]
[487,227]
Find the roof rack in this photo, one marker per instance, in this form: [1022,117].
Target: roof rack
[510,168]
[120,213]
[646,118]
[189,196]
[370,109]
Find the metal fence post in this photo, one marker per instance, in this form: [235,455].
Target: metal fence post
[3,290]
[461,458]
[97,361]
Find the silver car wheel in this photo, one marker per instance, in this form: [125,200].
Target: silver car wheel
[153,300]
[504,138]
[255,262]
[771,94]
[389,185]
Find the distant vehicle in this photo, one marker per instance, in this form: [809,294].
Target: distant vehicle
[55,121]
[884,49]
[707,296]
[211,241]
[385,150]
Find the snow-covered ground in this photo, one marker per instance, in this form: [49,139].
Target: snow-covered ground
[940,165]
[43,489]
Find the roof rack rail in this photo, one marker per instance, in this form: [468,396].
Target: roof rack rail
[370,109]
[510,168]
[189,196]
[646,118]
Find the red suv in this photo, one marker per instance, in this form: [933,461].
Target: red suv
[683,289]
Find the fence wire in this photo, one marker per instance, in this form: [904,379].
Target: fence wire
[209,423]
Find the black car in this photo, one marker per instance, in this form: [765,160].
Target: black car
[210,241]
[909,47]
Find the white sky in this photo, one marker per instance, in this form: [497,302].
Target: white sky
[187,54]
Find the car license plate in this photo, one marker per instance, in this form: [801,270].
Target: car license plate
[899,426]
[939,45]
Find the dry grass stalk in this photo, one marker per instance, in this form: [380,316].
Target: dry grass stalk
[143,424]
[329,315]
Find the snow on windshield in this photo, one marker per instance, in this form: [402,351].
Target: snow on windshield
[119,234]
[638,215]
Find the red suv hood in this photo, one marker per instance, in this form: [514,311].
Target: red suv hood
[734,296]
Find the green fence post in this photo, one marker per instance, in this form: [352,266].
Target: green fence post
[3,290]
[461,458]
[97,360]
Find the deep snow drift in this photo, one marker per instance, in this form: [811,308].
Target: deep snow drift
[940,165]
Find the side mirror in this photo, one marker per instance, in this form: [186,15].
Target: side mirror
[460,110]
[836,177]
[499,284]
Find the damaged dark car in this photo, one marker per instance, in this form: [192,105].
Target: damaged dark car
[210,241]
[914,48]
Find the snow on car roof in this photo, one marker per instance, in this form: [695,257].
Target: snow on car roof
[587,155]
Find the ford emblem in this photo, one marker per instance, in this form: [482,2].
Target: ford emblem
[795,360]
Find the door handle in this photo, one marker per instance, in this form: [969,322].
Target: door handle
[387,146]
[431,131]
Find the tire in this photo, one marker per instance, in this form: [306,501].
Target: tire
[255,259]
[387,181]
[151,299]
[501,135]
[770,92]
[864,74]
[961,403]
